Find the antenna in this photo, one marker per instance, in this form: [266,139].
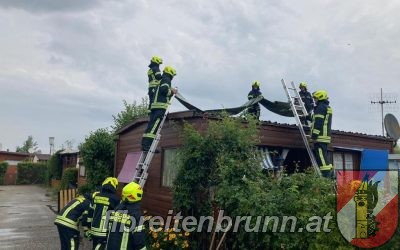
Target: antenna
[51,142]
[382,102]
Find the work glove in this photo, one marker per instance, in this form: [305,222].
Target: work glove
[174,90]
[87,234]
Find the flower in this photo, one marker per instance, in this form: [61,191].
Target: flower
[187,234]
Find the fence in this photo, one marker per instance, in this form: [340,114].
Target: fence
[65,196]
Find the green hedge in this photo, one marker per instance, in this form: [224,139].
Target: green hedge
[31,173]
[54,167]
[3,169]
[70,175]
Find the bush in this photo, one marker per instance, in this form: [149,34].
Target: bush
[69,177]
[97,152]
[86,189]
[228,142]
[219,170]
[3,169]
[31,173]
[54,167]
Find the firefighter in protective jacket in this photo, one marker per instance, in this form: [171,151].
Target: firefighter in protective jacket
[255,92]
[154,75]
[162,96]
[321,132]
[103,202]
[126,229]
[68,219]
[308,101]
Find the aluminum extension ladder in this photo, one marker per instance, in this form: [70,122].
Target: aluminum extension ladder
[299,110]
[143,164]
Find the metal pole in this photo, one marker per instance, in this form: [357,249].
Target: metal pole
[383,130]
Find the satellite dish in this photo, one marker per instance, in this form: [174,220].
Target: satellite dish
[392,127]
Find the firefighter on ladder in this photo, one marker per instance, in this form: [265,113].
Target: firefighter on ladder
[68,219]
[159,106]
[127,216]
[154,75]
[103,202]
[321,132]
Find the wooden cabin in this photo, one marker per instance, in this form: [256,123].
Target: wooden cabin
[345,151]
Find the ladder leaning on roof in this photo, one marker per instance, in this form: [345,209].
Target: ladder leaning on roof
[142,167]
[298,109]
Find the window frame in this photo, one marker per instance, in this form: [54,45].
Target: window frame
[163,166]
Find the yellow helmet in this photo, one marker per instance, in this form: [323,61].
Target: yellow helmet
[132,192]
[156,59]
[112,181]
[303,84]
[256,84]
[170,70]
[320,95]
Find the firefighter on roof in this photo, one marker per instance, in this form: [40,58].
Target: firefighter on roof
[308,101]
[127,215]
[321,132]
[255,92]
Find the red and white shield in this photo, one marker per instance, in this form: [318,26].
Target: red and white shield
[367,206]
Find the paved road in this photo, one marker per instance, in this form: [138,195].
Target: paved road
[27,215]
[26,218]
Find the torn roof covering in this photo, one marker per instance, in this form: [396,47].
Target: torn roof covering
[193,115]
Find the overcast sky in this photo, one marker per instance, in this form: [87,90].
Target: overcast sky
[66,66]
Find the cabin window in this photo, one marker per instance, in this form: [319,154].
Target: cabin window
[169,167]
[348,161]
[338,161]
[343,161]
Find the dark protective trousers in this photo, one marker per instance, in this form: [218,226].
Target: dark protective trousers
[151,93]
[156,116]
[324,163]
[69,238]
[99,243]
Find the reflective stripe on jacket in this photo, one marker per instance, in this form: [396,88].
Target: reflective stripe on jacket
[322,122]
[72,213]
[163,93]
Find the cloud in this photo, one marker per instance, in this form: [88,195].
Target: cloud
[44,6]
[82,58]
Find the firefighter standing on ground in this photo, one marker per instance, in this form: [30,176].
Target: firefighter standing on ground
[154,75]
[127,215]
[67,221]
[321,132]
[308,101]
[162,96]
[255,92]
[102,202]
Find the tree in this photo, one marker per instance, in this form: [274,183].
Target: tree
[28,144]
[130,113]
[97,152]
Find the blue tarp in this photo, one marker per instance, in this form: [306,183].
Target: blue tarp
[374,159]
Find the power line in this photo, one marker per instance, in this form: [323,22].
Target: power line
[382,102]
